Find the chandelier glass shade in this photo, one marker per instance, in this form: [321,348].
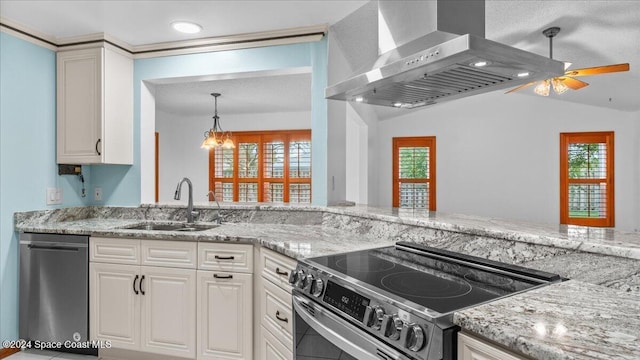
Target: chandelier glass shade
[216,137]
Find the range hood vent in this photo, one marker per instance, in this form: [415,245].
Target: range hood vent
[441,66]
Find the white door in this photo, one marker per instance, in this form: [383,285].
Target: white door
[225,315]
[168,311]
[79,106]
[114,306]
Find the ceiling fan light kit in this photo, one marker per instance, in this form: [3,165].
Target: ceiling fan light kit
[563,83]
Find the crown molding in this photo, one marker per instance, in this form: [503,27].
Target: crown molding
[210,44]
[28,34]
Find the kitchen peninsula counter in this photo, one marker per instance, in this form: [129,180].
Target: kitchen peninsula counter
[592,316]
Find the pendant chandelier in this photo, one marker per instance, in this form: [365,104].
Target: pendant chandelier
[216,137]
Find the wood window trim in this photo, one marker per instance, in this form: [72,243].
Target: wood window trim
[260,137]
[606,137]
[397,143]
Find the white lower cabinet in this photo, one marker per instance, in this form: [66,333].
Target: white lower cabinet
[114,305]
[473,348]
[157,299]
[225,315]
[275,306]
[147,309]
[272,349]
[168,311]
[142,308]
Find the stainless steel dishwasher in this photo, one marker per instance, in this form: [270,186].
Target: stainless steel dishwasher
[54,290]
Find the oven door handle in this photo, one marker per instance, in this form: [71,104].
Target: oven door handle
[344,335]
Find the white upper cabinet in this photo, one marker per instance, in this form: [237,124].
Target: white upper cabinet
[94,107]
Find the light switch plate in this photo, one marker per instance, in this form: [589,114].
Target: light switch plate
[54,196]
[97,194]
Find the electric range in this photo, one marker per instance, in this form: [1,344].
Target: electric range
[395,302]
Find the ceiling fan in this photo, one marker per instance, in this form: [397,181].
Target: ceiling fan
[568,81]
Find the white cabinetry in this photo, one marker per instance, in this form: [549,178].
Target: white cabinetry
[473,348]
[94,107]
[225,301]
[276,314]
[149,309]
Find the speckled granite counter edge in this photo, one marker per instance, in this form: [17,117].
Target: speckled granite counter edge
[544,237]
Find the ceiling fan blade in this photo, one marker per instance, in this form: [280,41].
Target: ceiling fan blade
[518,88]
[572,83]
[598,70]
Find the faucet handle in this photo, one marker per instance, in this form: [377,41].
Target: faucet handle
[195,214]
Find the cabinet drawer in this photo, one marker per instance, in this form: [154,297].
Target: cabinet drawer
[225,257]
[276,268]
[272,349]
[114,250]
[276,314]
[180,254]
[472,348]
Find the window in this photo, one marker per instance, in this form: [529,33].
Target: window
[414,175]
[265,166]
[586,179]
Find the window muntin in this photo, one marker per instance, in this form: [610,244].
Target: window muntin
[586,179]
[414,172]
[265,166]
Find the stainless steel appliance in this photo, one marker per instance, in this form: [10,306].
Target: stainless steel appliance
[395,302]
[439,54]
[54,290]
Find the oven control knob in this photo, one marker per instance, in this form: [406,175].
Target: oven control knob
[307,282]
[378,317]
[415,338]
[301,278]
[317,287]
[393,327]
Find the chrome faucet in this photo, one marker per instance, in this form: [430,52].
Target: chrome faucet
[190,213]
[218,218]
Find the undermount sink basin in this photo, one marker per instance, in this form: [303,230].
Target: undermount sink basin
[172,227]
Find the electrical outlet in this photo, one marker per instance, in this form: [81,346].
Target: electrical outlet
[54,196]
[97,194]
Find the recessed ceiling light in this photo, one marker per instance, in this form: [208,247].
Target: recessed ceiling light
[523,74]
[359,99]
[480,63]
[398,104]
[186,27]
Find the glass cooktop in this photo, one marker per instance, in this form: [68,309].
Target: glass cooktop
[439,280]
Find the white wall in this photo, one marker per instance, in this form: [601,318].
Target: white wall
[498,155]
[180,138]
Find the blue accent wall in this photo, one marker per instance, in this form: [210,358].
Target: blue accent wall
[27,156]
[121,184]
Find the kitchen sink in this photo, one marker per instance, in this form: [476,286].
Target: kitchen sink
[172,227]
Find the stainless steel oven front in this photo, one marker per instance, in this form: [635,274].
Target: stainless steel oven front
[319,333]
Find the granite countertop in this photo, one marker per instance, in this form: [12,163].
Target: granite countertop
[595,315]
[604,241]
[569,320]
[295,241]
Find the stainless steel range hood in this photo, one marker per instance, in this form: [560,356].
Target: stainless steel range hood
[441,65]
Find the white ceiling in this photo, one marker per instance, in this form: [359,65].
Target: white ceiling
[141,22]
[593,32]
